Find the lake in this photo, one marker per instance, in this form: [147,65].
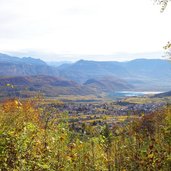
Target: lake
[133,93]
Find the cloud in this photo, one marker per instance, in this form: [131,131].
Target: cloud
[77,11]
[83,26]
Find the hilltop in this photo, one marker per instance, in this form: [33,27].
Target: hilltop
[15,66]
[28,86]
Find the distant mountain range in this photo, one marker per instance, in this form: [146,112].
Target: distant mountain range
[83,77]
[142,74]
[14,66]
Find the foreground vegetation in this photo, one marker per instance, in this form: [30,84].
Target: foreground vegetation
[42,139]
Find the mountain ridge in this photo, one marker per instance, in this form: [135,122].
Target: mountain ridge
[138,74]
[15,66]
[144,74]
[28,86]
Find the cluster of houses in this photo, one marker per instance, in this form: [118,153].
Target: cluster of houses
[101,113]
[114,108]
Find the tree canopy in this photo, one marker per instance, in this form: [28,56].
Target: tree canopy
[163,4]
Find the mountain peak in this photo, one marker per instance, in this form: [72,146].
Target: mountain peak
[33,61]
[15,66]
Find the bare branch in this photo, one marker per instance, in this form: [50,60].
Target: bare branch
[163,4]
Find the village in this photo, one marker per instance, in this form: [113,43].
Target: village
[114,108]
[112,113]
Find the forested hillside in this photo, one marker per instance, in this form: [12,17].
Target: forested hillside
[41,138]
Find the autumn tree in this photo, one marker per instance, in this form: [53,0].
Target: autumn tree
[163,4]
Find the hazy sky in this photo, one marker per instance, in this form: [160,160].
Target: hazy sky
[83,27]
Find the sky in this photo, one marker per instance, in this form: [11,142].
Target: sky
[91,29]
